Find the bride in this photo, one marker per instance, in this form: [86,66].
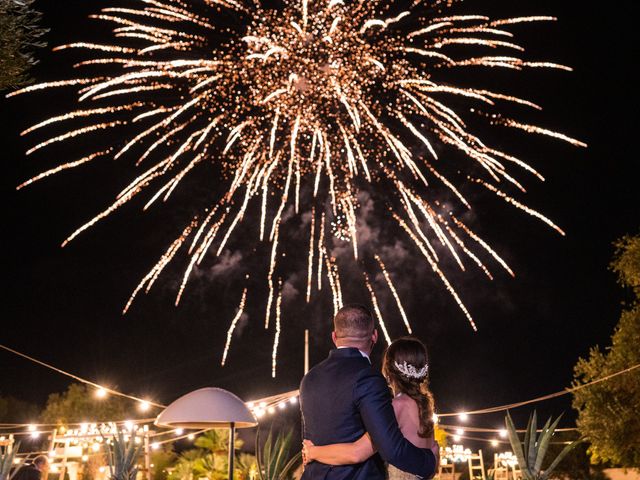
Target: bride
[405,368]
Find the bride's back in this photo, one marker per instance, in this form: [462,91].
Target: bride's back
[408,416]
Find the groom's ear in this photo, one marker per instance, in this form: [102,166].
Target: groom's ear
[374,336]
[334,337]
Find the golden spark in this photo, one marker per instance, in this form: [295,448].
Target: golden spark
[300,109]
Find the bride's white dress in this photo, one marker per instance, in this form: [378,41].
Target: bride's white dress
[395,474]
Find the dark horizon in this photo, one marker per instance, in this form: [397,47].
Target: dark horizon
[64,305]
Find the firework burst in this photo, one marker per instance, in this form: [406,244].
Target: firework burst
[301,105]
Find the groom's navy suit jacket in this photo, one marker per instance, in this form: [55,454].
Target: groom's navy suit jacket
[342,398]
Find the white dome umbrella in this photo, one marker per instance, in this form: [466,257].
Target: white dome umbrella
[209,408]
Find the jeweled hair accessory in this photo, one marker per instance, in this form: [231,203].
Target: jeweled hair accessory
[410,371]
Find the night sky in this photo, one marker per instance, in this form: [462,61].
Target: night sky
[63,305]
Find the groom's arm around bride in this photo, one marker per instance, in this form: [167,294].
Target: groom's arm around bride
[343,398]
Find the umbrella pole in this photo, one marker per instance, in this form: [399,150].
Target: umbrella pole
[232,442]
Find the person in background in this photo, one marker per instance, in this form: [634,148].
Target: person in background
[35,470]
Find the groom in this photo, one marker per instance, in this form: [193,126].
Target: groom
[343,397]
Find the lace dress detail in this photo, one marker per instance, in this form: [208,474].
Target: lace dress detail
[395,474]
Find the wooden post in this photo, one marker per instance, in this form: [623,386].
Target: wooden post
[232,446]
[306,351]
[63,468]
[52,448]
[147,457]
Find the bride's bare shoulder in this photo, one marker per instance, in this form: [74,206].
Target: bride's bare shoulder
[405,404]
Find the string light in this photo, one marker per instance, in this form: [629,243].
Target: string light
[463,417]
[460,431]
[101,393]
[503,433]
[144,406]
[494,443]
[179,431]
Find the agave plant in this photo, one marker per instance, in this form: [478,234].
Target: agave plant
[8,467]
[273,459]
[531,454]
[123,456]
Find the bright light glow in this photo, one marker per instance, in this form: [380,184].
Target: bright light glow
[155,446]
[456,438]
[179,431]
[31,428]
[460,431]
[16,461]
[144,406]
[35,434]
[494,443]
[503,433]
[263,404]
[463,417]
[282,406]
[128,425]
[52,453]
[101,393]
[435,418]
[271,410]
[191,436]
[293,400]
[102,469]
[95,447]
[259,413]
[53,469]
[85,458]
[250,405]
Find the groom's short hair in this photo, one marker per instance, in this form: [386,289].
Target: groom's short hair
[353,321]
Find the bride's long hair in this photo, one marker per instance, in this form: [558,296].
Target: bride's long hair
[411,382]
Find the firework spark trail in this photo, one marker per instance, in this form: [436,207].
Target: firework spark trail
[234,323]
[394,292]
[311,251]
[300,109]
[276,338]
[376,309]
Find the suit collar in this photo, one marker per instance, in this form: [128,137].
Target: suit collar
[348,352]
